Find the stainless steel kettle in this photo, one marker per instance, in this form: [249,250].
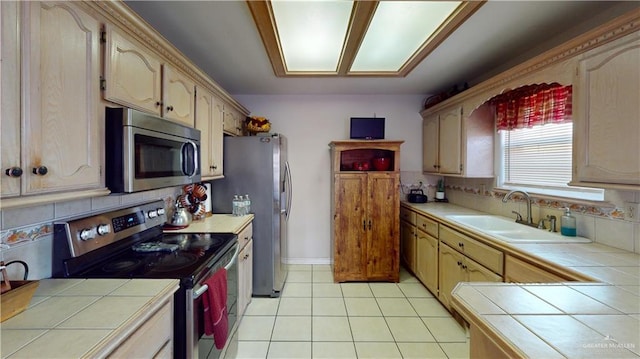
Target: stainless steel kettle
[181,217]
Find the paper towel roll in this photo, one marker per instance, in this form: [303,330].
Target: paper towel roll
[208,201]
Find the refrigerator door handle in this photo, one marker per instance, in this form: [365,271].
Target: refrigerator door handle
[288,189]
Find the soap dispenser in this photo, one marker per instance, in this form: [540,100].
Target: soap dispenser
[568,224]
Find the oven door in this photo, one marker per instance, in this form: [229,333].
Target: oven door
[198,344]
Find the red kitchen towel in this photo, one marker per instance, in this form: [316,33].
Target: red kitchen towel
[216,318]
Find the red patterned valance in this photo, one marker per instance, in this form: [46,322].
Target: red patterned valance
[532,105]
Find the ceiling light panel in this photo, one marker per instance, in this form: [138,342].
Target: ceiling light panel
[398,29]
[311,33]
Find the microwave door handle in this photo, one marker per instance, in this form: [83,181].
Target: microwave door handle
[184,157]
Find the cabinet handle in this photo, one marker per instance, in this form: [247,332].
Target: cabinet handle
[158,103]
[369,224]
[435,166]
[459,263]
[364,224]
[460,244]
[213,167]
[464,266]
[14,172]
[40,171]
[169,108]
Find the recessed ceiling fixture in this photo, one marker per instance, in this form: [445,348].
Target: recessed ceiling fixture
[354,38]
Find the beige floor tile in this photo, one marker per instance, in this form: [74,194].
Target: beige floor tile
[249,350]
[256,328]
[370,329]
[294,306]
[321,267]
[262,306]
[396,307]
[356,290]
[322,277]
[329,306]
[333,290]
[409,329]
[296,290]
[300,267]
[299,277]
[414,290]
[289,350]
[445,329]
[406,277]
[421,351]
[428,307]
[386,290]
[333,350]
[456,350]
[331,329]
[377,350]
[292,329]
[362,307]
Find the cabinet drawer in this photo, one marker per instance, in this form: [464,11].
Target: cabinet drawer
[483,254]
[408,215]
[427,225]
[518,271]
[245,235]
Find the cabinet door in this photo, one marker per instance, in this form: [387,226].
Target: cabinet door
[209,122]
[245,277]
[350,227]
[430,128]
[450,144]
[477,273]
[408,245]
[607,129]
[450,273]
[133,75]
[63,133]
[232,121]
[178,96]
[518,271]
[383,249]
[10,97]
[427,260]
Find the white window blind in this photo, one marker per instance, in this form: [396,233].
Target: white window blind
[538,156]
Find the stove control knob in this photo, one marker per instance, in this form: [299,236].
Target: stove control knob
[87,234]
[152,213]
[103,229]
[160,211]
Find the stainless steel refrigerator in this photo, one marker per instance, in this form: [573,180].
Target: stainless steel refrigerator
[257,166]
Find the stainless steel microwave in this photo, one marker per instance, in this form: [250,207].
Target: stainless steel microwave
[145,152]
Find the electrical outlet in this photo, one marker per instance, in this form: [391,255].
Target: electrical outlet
[631,211]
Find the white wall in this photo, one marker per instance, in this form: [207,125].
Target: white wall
[310,122]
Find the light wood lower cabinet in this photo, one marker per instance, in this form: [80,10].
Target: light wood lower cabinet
[519,271]
[427,260]
[408,237]
[245,269]
[152,339]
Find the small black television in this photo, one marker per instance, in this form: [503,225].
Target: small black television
[367,128]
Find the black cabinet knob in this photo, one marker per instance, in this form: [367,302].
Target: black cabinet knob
[13,172]
[169,108]
[40,171]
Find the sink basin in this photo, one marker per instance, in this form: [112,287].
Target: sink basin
[512,232]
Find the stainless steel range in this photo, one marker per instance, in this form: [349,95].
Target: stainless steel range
[130,243]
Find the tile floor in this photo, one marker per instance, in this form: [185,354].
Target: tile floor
[316,318]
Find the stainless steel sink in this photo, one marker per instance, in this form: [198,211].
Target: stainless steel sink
[512,232]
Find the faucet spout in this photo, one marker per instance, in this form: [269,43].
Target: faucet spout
[528,198]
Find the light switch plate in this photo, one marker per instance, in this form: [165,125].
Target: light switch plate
[631,211]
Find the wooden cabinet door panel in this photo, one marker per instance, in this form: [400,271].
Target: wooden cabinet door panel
[383,224]
[430,135]
[178,96]
[245,277]
[350,247]
[477,273]
[450,141]
[427,260]
[607,137]
[10,98]
[450,273]
[408,245]
[63,127]
[204,116]
[216,139]
[518,271]
[133,75]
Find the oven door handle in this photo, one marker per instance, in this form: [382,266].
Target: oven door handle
[203,288]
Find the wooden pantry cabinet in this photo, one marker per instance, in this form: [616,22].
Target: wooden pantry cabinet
[209,115]
[606,112]
[52,138]
[137,78]
[365,208]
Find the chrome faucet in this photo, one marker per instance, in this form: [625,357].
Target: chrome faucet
[529,220]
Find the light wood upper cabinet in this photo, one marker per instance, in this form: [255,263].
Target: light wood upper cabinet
[606,116]
[62,122]
[455,143]
[178,94]
[232,124]
[10,157]
[133,75]
[209,114]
